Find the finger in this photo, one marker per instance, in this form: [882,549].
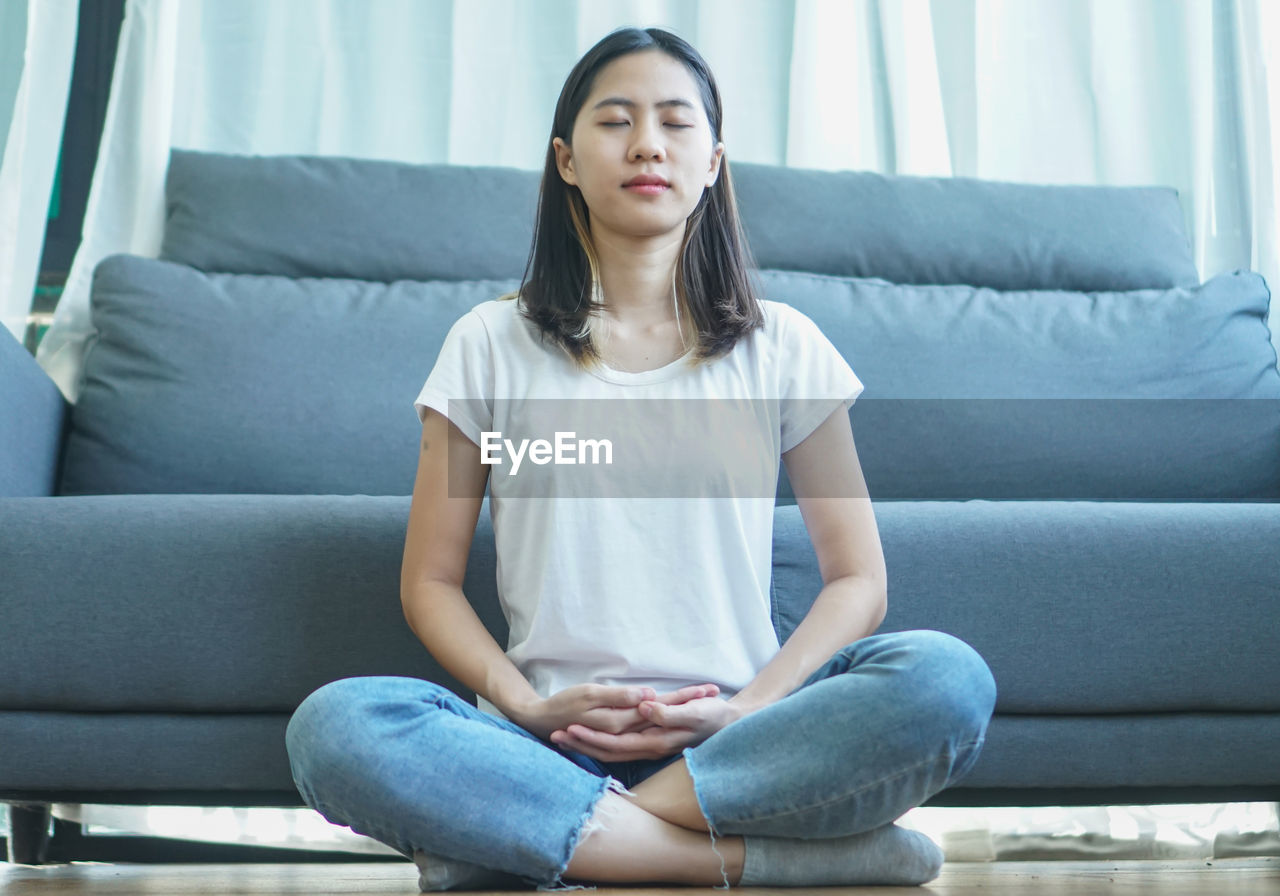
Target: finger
[569,744]
[617,696]
[614,743]
[642,725]
[689,692]
[660,714]
[651,744]
[567,741]
[689,716]
[611,721]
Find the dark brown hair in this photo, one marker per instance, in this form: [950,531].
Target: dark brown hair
[712,274]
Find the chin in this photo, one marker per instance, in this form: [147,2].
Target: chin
[651,229]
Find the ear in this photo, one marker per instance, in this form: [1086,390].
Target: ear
[564,161]
[717,155]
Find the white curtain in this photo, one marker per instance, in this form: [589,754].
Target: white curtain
[37,48]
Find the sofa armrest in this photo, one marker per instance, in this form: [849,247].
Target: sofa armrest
[33,415]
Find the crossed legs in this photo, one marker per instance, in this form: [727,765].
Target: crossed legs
[414,766]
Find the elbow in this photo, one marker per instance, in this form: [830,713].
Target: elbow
[881,608]
[413,598]
[863,603]
[873,592]
[408,595]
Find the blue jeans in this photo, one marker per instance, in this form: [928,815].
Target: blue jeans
[886,723]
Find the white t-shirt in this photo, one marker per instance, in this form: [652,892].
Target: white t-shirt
[652,569]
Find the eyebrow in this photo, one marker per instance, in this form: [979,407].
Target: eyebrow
[631,104]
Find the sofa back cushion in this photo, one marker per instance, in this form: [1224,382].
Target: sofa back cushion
[1146,395]
[234,383]
[305,216]
[222,383]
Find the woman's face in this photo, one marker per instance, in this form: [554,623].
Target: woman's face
[643,121]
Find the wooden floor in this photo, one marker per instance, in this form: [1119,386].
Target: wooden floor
[1223,877]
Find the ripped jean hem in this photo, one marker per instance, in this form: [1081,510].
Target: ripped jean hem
[687,753]
[588,824]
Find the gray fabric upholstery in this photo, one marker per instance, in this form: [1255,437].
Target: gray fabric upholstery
[244,384]
[223,754]
[1148,395]
[1155,750]
[32,416]
[219,753]
[1151,395]
[244,603]
[1079,607]
[357,218]
[962,230]
[247,603]
[374,220]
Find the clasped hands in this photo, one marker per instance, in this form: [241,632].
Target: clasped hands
[622,723]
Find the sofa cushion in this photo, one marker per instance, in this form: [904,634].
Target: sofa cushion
[246,603]
[240,602]
[376,220]
[34,414]
[964,230]
[365,219]
[1148,395]
[1078,607]
[218,383]
[971,393]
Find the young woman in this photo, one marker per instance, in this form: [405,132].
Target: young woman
[644,725]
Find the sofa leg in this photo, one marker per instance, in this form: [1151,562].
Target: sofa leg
[29,833]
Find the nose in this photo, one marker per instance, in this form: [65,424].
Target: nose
[646,142]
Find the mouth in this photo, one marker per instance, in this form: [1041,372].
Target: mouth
[647,184]
[650,184]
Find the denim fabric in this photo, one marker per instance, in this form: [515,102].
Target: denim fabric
[887,722]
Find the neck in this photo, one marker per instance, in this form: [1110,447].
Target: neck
[638,279]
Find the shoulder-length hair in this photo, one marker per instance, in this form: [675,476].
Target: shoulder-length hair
[559,288]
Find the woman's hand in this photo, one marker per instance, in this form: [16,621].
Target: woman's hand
[669,728]
[672,698]
[602,707]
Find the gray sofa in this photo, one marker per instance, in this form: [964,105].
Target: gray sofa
[1073,445]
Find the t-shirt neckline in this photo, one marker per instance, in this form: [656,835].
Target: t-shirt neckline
[657,375]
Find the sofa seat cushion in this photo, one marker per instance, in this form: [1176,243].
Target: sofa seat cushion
[1144,395]
[1120,753]
[1079,607]
[246,603]
[219,383]
[208,603]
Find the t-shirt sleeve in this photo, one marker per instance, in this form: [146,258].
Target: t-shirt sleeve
[461,384]
[815,379]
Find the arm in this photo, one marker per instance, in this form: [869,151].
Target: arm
[442,522]
[832,495]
